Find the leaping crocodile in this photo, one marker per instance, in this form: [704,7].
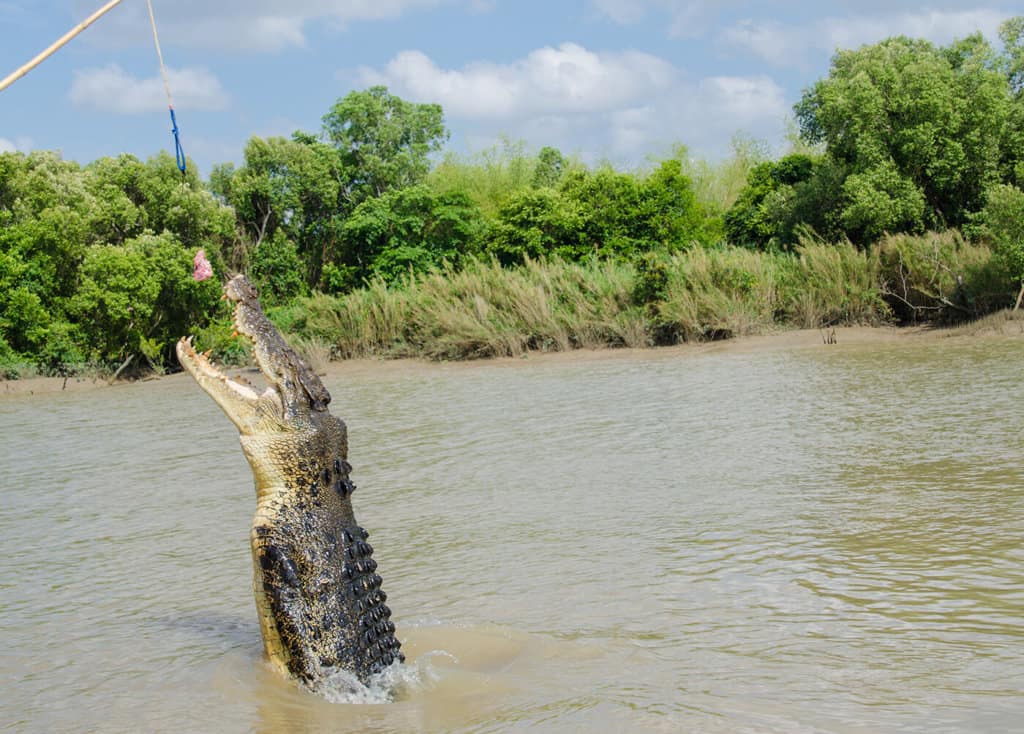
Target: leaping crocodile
[319,600]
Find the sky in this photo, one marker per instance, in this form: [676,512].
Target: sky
[618,80]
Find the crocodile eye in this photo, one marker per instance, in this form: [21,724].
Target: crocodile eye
[327,476]
[337,466]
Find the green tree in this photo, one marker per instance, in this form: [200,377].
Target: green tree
[551,164]
[492,176]
[275,267]
[1012,34]
[611,210]
[293,186]
[383,140]
[138,298]
[1002,225]
[780,197]
[410,229]
[916,128]
[536,223]
[44,230]
[672,216]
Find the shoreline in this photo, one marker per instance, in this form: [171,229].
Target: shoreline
[1001,325]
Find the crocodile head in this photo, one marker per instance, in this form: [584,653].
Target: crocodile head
[295,398]
[319,601]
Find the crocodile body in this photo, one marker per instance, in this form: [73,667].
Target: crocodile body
[318,596]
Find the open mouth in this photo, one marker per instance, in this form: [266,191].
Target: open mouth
[292,386]
[200,364]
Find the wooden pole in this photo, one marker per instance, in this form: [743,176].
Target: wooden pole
[8,81]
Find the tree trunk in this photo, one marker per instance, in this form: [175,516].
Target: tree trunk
[121,368]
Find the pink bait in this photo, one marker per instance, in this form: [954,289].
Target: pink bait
[201,269]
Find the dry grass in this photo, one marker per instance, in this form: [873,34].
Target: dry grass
[1004,322]
[485,310]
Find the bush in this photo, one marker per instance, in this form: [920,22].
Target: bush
[276,269]
[826,284]
[1002,227]
[940,276]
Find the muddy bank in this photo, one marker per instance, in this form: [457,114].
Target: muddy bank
[1002,325]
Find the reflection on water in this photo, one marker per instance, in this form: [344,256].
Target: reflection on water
[822,539]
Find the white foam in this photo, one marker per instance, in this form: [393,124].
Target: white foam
[395,682]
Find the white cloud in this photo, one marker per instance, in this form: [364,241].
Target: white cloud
[620,11]
[259,25]
[789,45]
[568,78]
[112,88]
[620,105]
[704,115]
[865,21]
[940,26]
[19,144]
[686,18]
[769,40]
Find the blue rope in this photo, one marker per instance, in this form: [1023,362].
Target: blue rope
[179,152]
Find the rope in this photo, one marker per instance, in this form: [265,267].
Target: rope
[179,152]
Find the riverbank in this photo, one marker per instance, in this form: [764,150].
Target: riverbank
[1000,325]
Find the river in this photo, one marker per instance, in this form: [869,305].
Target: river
[815,539]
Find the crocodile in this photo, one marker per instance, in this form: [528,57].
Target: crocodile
[319,599]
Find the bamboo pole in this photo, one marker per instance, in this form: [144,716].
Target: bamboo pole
[8,81]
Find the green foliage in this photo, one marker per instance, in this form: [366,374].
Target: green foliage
[651,284]
[880,200]
[384,141]
[940,276]
[276,269]
[218,336]
[1011,33]
[536,223]
[295,186]
[901,137]
[779,197]
[63,225]
[669,214]
[139,298]
[411,229]
[551,164]
[492,176]
[913,125]
[718,184]
[600,213]
[1002,226]
[611,209]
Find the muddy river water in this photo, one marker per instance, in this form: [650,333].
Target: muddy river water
[815,539]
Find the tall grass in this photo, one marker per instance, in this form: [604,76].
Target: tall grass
[490,176]
[485,310]
[827,284]
[720,293]
[482,310]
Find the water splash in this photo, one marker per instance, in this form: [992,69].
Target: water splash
[394,683]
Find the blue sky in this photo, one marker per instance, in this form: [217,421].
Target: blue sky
[616,79]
